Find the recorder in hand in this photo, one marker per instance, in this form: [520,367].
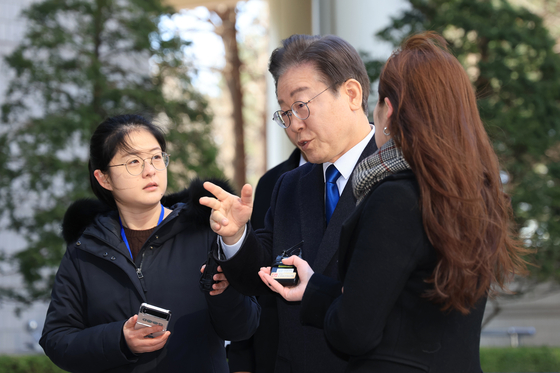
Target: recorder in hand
[149,315]
[286,275]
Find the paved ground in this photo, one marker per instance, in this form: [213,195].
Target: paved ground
[539,309]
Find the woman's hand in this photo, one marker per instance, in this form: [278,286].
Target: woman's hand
[136,338]
[223,283]
[291,293]
[229,212]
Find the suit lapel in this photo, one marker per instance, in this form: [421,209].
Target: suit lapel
[312,229]
[346,205]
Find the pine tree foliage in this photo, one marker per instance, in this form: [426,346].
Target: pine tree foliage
[508,54]
[81,61]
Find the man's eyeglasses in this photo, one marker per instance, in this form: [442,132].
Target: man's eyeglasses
[135,165]
[298,108]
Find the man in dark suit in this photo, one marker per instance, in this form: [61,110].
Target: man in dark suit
[322,89]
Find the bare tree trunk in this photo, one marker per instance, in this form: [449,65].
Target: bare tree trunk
[264,136]
[495,311]
[231,72]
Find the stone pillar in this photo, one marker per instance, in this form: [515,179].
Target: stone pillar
[287,17]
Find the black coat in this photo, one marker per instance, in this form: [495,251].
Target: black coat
[296,213]
[98,287]
[382,319]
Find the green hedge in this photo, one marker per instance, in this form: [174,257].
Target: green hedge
[27,364]
[520,360]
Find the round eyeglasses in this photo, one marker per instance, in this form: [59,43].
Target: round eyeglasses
[298,108]
[135,165]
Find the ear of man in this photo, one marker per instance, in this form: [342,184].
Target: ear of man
[353,90]
[103,179]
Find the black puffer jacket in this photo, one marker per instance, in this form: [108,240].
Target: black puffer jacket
[98,287]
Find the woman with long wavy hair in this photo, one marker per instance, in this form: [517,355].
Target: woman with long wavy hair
[431,235]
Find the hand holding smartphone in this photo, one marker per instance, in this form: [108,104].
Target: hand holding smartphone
[149,315]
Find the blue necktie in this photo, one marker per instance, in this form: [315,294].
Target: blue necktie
[331,191]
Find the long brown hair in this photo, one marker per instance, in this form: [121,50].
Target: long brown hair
[466,215]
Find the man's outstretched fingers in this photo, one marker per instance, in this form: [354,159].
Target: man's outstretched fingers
[247,194]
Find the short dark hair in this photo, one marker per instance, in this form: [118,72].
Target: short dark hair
[110,137]
[333,57]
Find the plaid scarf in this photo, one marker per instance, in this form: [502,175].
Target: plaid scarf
[386,161]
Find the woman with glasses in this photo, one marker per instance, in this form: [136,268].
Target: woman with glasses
[131,246]
[431,234]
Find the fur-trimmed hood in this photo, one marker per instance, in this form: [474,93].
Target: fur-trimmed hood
[83,212]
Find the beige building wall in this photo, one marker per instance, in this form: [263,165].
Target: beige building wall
[287,17]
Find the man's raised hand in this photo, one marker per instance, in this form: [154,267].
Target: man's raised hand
[230,213]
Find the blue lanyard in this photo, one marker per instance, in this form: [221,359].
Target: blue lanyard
[123,235]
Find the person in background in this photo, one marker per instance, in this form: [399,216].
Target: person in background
[431,234]
[265,186]
[258,353]
[322,88]
[127,248]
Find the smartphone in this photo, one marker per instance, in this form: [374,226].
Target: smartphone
[149,315]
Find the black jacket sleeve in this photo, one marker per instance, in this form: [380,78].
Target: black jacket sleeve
[66,338]
[234,316]
[320,293]
[242,269]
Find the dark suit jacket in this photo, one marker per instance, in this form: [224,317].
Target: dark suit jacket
[296,213]
[258,354]
[382,319]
